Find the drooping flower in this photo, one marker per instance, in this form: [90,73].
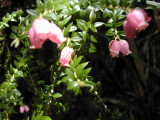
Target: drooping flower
[35,43]
[115,47]
[56,35]
[39,32]
[129,30]
[138,19]
[66,56]
[124,47]
[42,30]
[24,109]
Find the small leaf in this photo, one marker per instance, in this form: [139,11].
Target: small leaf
[80,68]
[81,24]
[70,74]
[97,24]
[44,118]
[92,48]
[77,61]
[32,12]
[86,71]
[13,36]
[19,74]
[57,95]
[39,3]
[72,85]
[93,39]
[62,23]
[89,83]
[76,9]
[110,32]
[14,29]
[107,13]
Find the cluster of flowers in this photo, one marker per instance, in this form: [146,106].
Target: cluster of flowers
[43,30]
[136,21]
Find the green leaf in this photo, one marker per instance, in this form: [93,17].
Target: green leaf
[118,24]
[70,74]
[33,13]
[73,28]
[77,61]
[113,2]
[62,7]
[124,3]
[92,48]
[39,3]
[85,3]
[92,16]
[19,74]
[82,13]
[86,71]
[79,69]
[89,83]
[72,85]
[76,38]
[84,35]
[93,28]
[153,4]
[71,67]
[51,16]
[93,39]
[67,29]
[41,82]
[66,79]
[81,24]
[13,36]
[110,32]
[98,24]
[62,23]
[45,118]
[14,29]
[98,5]
[57,95]
[76,9]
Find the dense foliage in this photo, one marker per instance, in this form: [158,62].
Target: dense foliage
[94,86]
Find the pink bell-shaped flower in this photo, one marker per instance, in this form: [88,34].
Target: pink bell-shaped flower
[41,28]
[56,35]
[129,30]
[24,109]
[39,32]
[138,19]
[114,48]
[124,47]
[66,56]
[35,43]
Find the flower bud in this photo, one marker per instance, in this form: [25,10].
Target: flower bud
[56,35]
[124,47]
[24,109]
[138,19]
[114,48]
[129,30]
[66,56]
